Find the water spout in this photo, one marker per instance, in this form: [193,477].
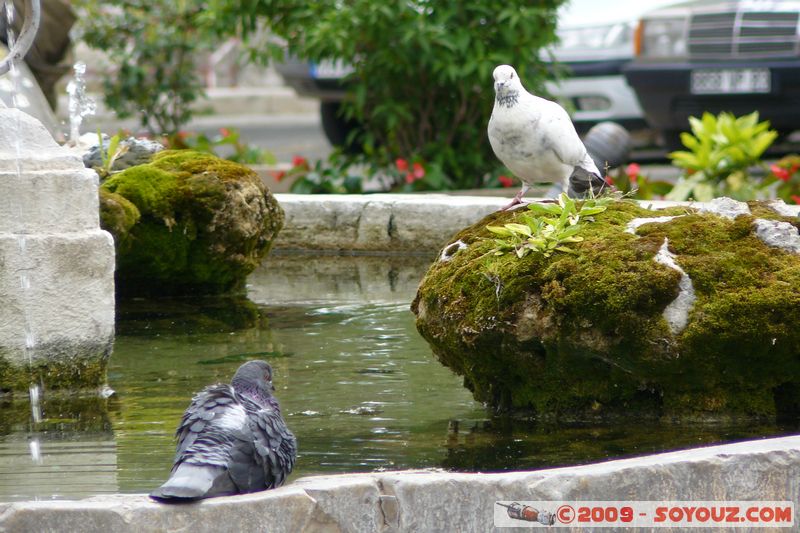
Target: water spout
[80,104]
[29,28]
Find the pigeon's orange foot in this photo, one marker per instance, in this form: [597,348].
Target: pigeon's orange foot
[515,202]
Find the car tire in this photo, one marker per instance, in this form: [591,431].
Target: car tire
[671,139]
[608,144]
[337,128]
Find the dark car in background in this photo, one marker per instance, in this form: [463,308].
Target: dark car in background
[718,56]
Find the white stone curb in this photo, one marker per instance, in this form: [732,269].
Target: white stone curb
[393,223]
[397,223]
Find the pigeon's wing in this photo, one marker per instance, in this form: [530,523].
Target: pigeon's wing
[210,426]
[210,436]
[562,136]
[275,445]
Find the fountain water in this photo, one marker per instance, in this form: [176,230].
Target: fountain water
[56,264]
[80,104]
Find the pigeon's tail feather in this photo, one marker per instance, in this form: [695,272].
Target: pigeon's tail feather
[583,180]
[191,482]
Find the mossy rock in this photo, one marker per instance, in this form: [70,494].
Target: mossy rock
[584,336]
[188,222]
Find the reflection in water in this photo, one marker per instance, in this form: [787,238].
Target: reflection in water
[503,444]
[68,453]
[357,385]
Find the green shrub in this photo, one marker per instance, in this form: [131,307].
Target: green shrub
[153,45]
[421,83]
[721,149]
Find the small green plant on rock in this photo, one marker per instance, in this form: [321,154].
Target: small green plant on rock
[109,155]
[551,228]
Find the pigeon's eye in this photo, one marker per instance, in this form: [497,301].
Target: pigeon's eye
[512,76]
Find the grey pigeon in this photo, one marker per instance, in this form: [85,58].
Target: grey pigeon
[536,139]
[231,440]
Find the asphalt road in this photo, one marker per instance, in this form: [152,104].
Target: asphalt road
[284,135]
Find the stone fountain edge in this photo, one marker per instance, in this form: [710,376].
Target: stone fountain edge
[767,469]
[389,223]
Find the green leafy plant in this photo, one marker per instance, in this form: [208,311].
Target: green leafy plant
[421,80]
[153,46]
[228,145]
[720,151]
[549,229]
[109,155]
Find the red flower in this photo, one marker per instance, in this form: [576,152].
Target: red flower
[780,172]
[280,175]
[633,171]
[505,181]
[796,198]
[225,132]
[609,180]
[417,170]
[299,161]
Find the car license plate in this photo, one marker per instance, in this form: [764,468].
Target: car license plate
[330,70]
[731,81]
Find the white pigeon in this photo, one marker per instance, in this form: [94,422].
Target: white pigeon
[536,139]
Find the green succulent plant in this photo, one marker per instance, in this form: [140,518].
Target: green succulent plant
[720,150]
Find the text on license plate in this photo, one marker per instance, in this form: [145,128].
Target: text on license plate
[331,70]
[731,81]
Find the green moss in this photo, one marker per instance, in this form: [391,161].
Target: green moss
[72,374]
[204,224]
[583,335]
[192,163]
[153,191]
[117,213]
